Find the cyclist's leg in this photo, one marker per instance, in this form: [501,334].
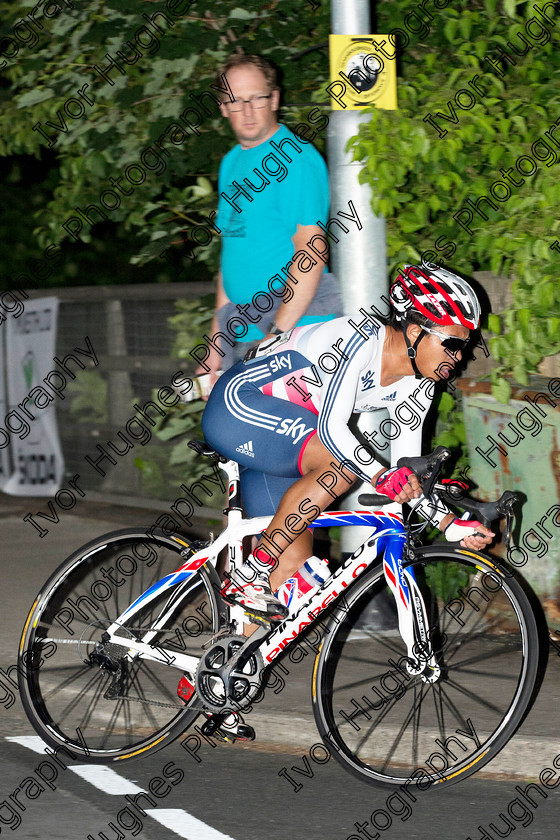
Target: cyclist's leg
[266,436]
[276,437]
[261,495]
[322,480]
[259,431]
[292,558]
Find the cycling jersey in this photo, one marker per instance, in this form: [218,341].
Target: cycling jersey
[264,411]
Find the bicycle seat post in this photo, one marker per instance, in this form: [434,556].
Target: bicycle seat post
[231,469]
[233,511]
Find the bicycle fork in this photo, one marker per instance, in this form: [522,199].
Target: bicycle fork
[411,609]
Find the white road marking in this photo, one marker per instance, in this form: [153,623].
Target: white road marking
[32,742]
[186,825]
[101,777]
[105,779]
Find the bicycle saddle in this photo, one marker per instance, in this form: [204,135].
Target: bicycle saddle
[203,448]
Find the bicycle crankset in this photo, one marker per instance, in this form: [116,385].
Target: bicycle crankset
[228,675]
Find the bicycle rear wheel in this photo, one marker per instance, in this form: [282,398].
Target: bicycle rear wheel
[100,699]
[388,724]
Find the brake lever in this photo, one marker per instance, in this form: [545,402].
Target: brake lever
[509,528]
[426,468]
[486,512]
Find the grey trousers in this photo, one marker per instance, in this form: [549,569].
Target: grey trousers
[327,301]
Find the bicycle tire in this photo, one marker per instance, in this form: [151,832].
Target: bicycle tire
[101,715]
[487,647]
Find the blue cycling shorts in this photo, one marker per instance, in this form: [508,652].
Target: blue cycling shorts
[266,435]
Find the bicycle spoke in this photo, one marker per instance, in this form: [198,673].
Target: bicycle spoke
[415,706]
[67,694]
[476,676]
[451,706]
[358,683]
[154,679]
[474,696]
[487,674]
[110,727]
[76,675]
[89,709]
[416,721]
[491,654]
[437,695]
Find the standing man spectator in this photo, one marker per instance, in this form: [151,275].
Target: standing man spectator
[273,192]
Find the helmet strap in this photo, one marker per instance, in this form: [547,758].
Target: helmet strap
[411,350]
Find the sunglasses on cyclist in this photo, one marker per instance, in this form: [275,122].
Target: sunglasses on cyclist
[450,342]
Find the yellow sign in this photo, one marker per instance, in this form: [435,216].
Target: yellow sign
[363,72]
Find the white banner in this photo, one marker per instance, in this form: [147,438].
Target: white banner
[5,470]
[31,417]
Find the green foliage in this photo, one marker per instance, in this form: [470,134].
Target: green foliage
[179,463]
[420,180]
[152,476]
[193,320]
[129,116]
[528,331]
[444,579]
[89,393]
[450,430]
[182,421]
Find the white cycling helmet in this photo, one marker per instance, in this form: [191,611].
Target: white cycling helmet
[436,293]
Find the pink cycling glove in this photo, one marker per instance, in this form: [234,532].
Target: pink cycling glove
[392,481]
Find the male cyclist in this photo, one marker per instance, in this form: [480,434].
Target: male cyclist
[283,414]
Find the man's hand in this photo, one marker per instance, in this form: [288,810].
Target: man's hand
[213,362]
[400,485]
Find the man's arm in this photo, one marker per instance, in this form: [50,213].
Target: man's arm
[303,292]
[214,360]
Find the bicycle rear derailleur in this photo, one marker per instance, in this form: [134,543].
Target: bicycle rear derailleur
[228,675]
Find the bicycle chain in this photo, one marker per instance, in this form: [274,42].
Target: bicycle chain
[149,702]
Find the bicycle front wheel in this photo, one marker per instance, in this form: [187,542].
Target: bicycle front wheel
[387,723]
[99,698]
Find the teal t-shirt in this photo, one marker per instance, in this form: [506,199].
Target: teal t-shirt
[279,184]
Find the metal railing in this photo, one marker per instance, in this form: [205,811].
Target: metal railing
[129,328]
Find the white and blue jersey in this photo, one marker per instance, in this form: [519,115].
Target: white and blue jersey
[310,380]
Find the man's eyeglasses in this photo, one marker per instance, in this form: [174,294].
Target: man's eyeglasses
[450,342]
[256,102]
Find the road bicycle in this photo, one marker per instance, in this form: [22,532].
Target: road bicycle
[427,666]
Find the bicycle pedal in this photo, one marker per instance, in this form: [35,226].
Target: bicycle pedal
[256,617]
[262,620]
[214,727]
[223,739]
[210,725]
[244,733]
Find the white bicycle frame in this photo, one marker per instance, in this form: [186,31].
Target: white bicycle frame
[388,536]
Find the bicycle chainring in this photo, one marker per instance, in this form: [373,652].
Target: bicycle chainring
[220,684]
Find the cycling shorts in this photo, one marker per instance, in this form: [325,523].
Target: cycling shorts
[264,434]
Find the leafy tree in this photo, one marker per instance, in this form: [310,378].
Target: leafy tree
[422,171]
[460,121]
[132,118]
